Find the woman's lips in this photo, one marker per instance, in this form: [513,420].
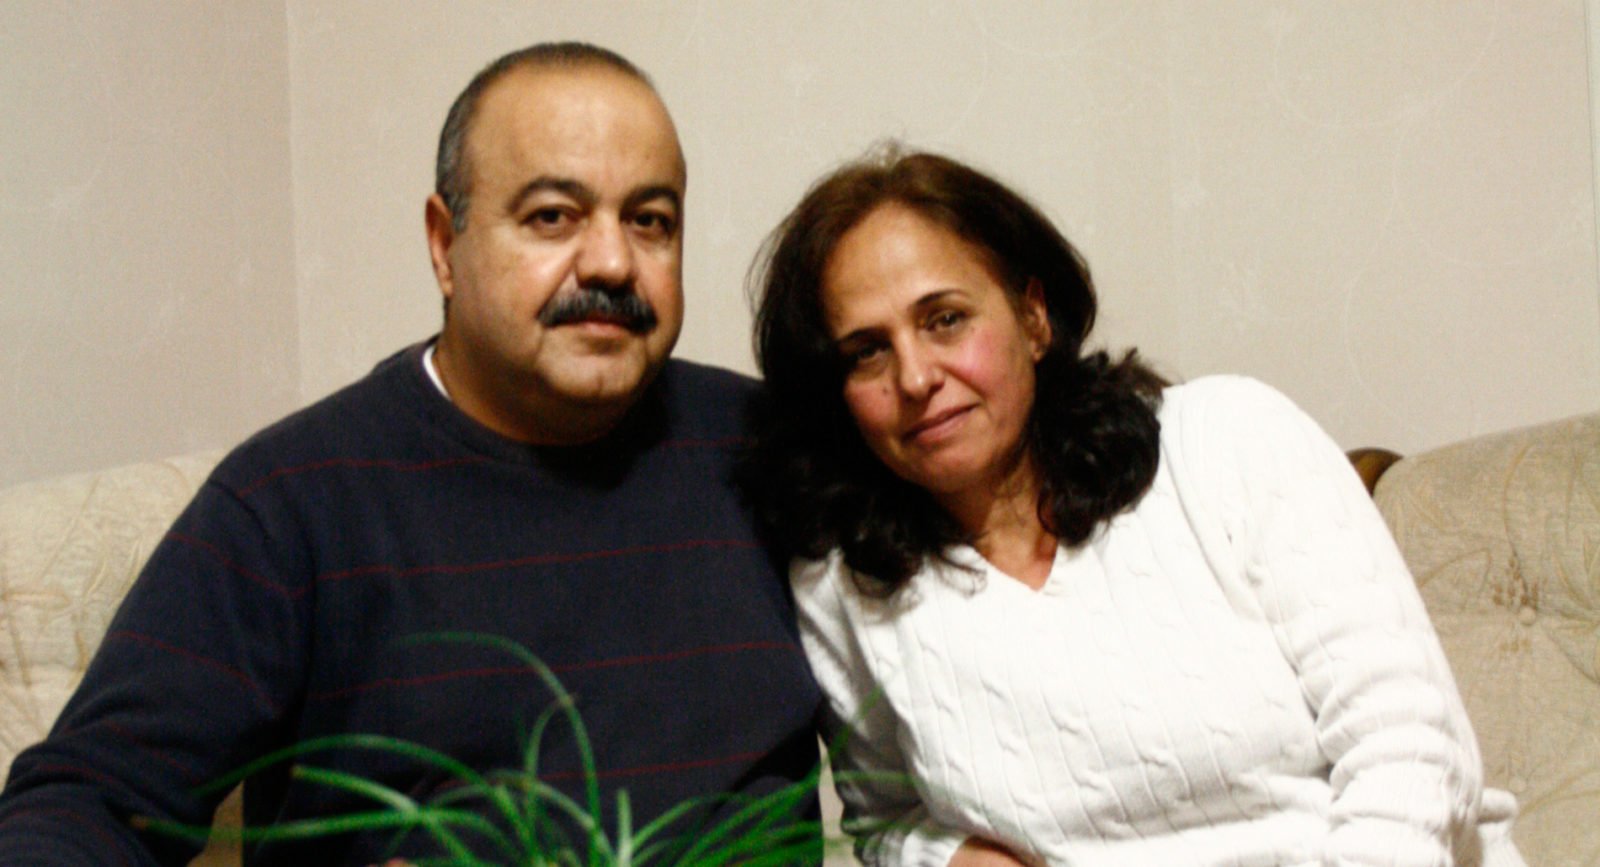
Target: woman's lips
[936,427]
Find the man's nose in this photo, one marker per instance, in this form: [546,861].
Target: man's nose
[605,257]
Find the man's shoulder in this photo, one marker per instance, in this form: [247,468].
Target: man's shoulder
[707,379]
[707,401]
[348,423]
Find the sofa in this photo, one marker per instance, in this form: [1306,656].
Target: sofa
[69,549]
[1502,533]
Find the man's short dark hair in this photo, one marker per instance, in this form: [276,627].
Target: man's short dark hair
[451,174]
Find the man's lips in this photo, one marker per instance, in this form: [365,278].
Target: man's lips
[602,324]
[599,319]
[936,425]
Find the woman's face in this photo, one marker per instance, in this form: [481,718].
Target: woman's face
[938,359]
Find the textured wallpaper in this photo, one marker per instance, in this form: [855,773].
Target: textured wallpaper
[1385,209]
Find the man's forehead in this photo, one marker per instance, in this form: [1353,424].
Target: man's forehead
[582,116]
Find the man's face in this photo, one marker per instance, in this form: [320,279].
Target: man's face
[565,286]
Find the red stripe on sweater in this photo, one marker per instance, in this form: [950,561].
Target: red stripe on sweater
[159,755]
[495,671]
[534,560]
[359,464]
[207,661]
[256,577]
[90,774]
[663,768]
[719,443]
[442,463]
[78,819]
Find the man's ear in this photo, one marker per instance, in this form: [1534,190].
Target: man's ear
[1036,317]
[441,234]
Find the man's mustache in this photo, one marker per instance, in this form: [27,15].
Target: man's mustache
[590,303]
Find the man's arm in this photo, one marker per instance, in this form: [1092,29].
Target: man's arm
[192,678]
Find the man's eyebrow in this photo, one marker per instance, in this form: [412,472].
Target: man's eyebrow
[653,192]
[587,197]
[546,183]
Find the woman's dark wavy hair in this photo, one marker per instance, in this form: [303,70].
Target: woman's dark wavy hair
[813,481]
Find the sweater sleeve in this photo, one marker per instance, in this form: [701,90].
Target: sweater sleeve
[191,679]
[1405,770]
[883,807]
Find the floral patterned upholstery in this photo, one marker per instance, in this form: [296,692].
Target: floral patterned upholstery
[69,548]
[1503,535]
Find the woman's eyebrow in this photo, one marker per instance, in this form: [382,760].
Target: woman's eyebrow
[933,298]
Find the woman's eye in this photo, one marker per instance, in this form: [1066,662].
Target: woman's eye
[946,320]
[861,357]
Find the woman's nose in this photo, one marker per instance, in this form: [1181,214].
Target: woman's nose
[919,374]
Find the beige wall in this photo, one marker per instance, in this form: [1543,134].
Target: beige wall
[1386,209]
[147,298]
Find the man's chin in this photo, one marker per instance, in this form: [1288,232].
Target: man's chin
[605,379]
[598,365]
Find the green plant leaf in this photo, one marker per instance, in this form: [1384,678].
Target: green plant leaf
[580,733]
[404,805]
[530,822]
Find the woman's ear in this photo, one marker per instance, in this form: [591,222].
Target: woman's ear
[1036,318]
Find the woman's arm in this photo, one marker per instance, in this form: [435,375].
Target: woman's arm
[883,808]
[1406,773]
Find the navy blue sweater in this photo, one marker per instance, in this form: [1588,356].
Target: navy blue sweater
[269,614]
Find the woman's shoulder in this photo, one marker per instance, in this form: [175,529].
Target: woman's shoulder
[810,575]
[1229,414]
[1243,431]
[826,600]
[1226,391]
[1226,402]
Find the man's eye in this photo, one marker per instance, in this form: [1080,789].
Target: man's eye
[545,218]
[946,320]
[654,223]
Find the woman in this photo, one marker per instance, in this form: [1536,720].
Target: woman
[1065,614]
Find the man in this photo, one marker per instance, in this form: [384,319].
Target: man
[542,472]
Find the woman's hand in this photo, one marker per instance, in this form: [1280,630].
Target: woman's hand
[977,852]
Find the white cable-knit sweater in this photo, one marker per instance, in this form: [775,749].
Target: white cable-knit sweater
[1237,671]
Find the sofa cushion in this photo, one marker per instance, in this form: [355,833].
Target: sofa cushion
[69,548]
[1503,535]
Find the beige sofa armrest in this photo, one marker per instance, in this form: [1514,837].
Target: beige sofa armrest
[1502,533]
[69,549]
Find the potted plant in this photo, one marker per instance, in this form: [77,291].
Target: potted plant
[520,820]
